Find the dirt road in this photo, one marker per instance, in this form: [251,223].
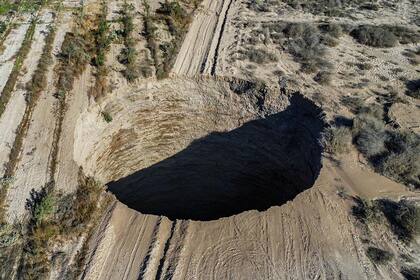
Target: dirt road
[198,54]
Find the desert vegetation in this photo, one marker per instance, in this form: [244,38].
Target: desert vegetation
[392,152]
[410,272]
[128,55]
[34,89]
[55,218]
[306,43]
[402,217]
[259,55]
[10,6]
[20,57]
[176,17]
[107,117]
[333,8]
[337,139]
[384,36]
[413,88]
[378,256]
[102,36]
[39,80]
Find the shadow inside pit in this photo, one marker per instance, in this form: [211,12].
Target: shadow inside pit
[263,163]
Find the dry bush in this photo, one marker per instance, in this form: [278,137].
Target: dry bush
[371,135]
[74,57]
[364,210]
[337,140]
[20,57]
[39,79]
[333,29]
[402,161]
[260,56]
[392,152]
[374,36]
[306,47]
[410,272]
[379,256]
[54,216]
[403,217]
[353,103]
[329,41]
[323,77]
[413,88]
[258,5]
[327,7]
[384,36]
[128,55]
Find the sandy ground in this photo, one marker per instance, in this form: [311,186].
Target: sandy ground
[31,171]
[7,59]
[198,50]
[9,122]
[67,169]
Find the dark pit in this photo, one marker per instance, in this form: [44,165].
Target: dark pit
[263,163]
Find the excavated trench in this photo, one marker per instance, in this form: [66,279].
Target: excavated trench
[263,162]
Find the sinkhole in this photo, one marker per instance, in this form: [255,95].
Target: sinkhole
[262,163]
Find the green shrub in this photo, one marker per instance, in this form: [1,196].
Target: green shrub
[39,79]
[379,256]
[75,55]
[7,6]
[128,55]
[3,27]
[107,117]
[103,38]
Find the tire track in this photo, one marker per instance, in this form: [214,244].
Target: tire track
[219,40]
[165,251]
[202,39]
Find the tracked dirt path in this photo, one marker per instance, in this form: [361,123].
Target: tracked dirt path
[198,53]
[28,175]
[12,44]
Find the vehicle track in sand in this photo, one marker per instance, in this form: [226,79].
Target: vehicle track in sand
[199,51]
